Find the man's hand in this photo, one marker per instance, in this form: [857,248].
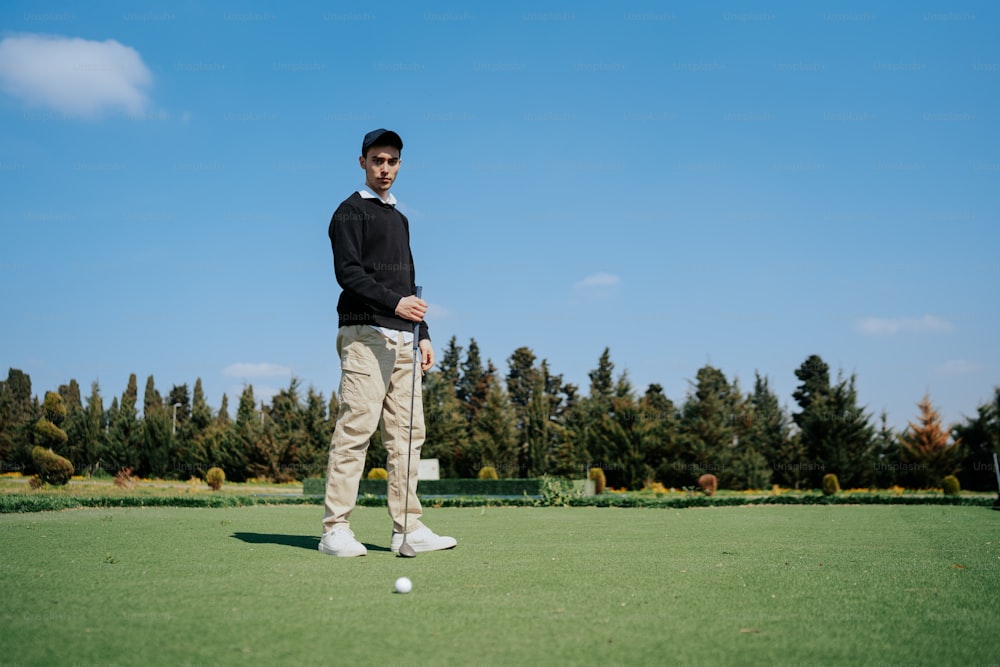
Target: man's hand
[426,355]
[411,308]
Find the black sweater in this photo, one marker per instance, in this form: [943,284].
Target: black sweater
[373,263]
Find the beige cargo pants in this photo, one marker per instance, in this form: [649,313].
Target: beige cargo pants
[376,376]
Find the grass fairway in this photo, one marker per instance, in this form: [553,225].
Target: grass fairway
[816,585]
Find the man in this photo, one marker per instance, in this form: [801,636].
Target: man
[377,311]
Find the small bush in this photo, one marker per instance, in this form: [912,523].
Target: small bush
[378,473]
[708,483]
[488,472]
[215,477]
[555,492]
[951,485]
[52,468]
[35,482]
[124,479]
[831,485]
[600,481]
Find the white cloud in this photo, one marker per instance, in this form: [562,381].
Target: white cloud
[889,326]
[597,286]
[256,370]
[958,367]
[599,281]
[74,76]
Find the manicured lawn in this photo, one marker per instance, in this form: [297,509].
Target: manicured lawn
[818,585]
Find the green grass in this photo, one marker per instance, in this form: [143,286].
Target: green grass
[818,585]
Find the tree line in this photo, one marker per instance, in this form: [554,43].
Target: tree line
[525,423]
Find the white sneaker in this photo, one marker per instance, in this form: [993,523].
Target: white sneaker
[423,539]
[339,541]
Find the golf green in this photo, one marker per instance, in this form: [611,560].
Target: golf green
[816,585]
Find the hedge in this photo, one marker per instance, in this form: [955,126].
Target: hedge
[10,503]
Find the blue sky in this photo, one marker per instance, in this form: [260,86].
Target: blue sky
[741,184]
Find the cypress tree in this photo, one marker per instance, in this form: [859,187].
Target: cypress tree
[94,432]
[125,434]
[156,433]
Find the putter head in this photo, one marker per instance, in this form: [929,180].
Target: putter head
[406,551]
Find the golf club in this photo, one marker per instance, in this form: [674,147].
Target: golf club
[405,550]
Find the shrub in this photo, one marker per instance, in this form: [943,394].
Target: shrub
[378,473]
[831,485]
[951,485]
[52,468]
[124,479]
[600,481]
[488,472]
[708,484]
[35,482]
[50,434]
[215,477]
[554,492]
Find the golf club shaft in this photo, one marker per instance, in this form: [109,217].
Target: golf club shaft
[409,442]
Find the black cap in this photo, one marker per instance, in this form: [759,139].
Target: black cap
[381,137]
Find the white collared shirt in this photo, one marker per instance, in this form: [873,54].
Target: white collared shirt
[368,194]
[391,334]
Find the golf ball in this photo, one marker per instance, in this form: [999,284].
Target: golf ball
[404,585]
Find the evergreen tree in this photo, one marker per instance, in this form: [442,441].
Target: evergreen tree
[555,393]
[469,389]
[151,397]
[18,415]
[707,434]
[521,387]
[536,434]
[318,430]
[446,430]
[627,436]
[241,459]
[594,409]
[765,437]
[125,435]
[201,413]
[834,431]
[887,458]
[493,433]
[980,438]
[601,378]
[222,416]
[661,415]
[290,436]
[569,455]
[156,433]
[928,457]
[813,423]
[187,453]
[216,440]
[94,431]
[74,424]
[449,366]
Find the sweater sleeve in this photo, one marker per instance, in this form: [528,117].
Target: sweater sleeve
[346,237]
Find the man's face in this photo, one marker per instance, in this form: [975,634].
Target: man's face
[381,165]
